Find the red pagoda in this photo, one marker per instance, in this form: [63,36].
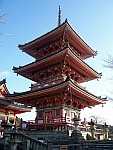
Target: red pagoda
[57,71]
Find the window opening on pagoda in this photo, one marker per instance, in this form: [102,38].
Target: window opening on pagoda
[57,112]
[40,114]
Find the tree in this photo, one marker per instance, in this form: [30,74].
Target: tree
[109,62]
[98,119]
[2,22]
[1,19]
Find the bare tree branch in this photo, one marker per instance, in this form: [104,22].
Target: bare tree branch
[2,22]
[98,119]
[109,62]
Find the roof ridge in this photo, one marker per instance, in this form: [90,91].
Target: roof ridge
[3,81]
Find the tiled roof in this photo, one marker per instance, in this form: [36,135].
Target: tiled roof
[4,102]
[10,104]
[99,74]
[48,87]
[65,24]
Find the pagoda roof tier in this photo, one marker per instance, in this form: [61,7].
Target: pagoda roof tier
[32,97]
[74,61]
[64,31]
[17,108]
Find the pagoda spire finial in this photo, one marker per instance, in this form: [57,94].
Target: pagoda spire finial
[59,16]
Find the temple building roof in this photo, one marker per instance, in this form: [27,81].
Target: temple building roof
[17,108]
[64,30]
[31,97]
[75,62]
[7,103]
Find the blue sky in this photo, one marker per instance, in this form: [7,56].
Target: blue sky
[27,20]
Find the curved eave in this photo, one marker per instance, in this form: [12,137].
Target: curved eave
[37,65]
[18,109]
[10,106]
[4,102]
[84,94]
[82,67]
[76,62]
[43,40]
[53,35]
[79,43]
[75,89]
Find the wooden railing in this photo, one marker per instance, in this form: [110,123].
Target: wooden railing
[59,120]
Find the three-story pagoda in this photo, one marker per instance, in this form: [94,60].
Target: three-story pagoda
[58,70]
